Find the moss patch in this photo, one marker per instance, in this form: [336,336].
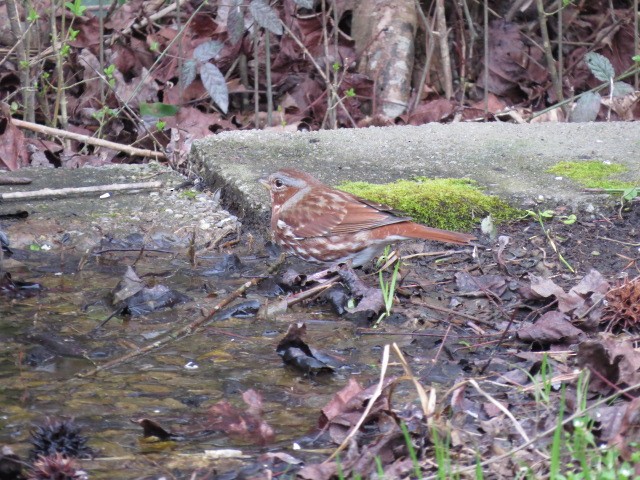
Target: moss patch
[592,174]
[189,194]
[449,203]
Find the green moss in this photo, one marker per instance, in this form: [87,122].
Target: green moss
[189,194]
[449,203]
[592,174]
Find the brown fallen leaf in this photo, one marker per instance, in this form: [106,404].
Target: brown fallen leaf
[247,425]
[551,328]
[612,362]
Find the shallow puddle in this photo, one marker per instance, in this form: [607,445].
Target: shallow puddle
[49,337]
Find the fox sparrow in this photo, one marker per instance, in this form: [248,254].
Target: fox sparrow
[320,224]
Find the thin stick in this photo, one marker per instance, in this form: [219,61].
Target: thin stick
[556,81]
[56,132]
[64,192]
[502,408]
[426,401]
[459,314]
[441,22]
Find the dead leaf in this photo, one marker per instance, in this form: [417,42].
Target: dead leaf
[551,328]
[247,425]
[612,362]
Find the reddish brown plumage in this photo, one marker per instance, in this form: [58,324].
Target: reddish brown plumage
[323,225]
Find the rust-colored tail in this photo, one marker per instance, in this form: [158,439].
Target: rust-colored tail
[415,230]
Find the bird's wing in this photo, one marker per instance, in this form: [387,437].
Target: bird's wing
[325,212]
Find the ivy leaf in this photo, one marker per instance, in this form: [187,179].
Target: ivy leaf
[622,89]
[600,66]
[188,73]
[631,193]
[216,85]
[265,16]
[305,3]
[207,50]
[235,22]
[587,108]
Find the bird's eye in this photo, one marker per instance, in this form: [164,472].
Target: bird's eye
[278,183]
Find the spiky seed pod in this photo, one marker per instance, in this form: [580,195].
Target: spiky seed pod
[622,306]
[56,467]
[59,436]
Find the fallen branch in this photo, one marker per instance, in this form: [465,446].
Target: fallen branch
[98,142]
[14,180]
[65,192]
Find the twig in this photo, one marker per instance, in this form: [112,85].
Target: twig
[320,72]
[500,407]
[310,292]
[486,323]
[64,192]
[618,241]
[441,22]
[551,62]
[427,402]
[153,17]
[15,180]
[56,132]
[185,330]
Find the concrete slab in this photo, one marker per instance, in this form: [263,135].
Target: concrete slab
[507,159]
[165,217]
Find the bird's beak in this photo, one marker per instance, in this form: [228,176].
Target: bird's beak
[264,182]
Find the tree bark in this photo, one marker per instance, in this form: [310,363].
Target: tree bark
[384,32]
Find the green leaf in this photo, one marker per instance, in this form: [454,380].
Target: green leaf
[570,220]
[76,8]
[33,15]
[600,66]
[157,109]
[631,193]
